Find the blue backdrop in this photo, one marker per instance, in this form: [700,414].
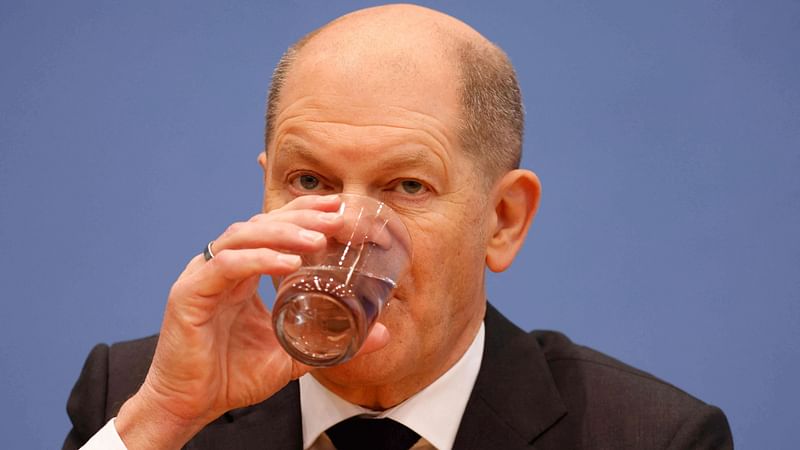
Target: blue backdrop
[666,135]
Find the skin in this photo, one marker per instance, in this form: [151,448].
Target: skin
[374,117]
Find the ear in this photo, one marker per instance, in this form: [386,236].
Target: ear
[262,161]
[515,199]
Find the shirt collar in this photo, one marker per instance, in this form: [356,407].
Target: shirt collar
[434,412]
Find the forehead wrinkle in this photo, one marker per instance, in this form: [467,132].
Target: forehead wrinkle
[418,157]
[329,109]
[428,131]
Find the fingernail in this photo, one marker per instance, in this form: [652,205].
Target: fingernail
[291,260]
[311,236]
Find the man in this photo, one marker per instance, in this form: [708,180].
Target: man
[417,109]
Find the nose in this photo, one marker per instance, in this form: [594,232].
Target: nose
[360,190]
[371,235]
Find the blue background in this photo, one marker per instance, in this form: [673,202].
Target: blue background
[666,135]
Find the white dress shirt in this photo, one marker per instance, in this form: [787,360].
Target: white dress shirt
[105,439]
[434,412]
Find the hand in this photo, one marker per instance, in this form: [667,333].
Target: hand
[217,350]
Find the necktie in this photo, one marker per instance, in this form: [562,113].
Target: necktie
[357,433]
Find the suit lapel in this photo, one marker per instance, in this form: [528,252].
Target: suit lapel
[515,399]
[273,423]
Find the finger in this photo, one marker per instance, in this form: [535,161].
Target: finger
[272,234]
[377,338]
[324,221]
[229,267]
[329,203]
[326,203]
[299,231]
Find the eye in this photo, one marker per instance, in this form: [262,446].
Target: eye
[308,182]
[411,187]
[305,182]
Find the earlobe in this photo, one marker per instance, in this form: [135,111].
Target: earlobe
[516,199]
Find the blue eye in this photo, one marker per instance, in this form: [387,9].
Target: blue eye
[308,182]
[411,186]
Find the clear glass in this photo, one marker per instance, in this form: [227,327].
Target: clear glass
[325,310]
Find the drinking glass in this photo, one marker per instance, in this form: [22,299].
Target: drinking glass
[324,311]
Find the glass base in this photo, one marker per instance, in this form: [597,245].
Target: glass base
[317,329]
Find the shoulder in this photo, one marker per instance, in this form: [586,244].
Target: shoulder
[134,355]
[110,375]
[128,363]
[117,370]
[578,369]
[608,397]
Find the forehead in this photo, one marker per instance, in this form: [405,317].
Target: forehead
[366,99]
[392,156]
[370,68]
[329,134]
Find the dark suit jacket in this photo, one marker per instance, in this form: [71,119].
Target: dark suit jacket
[534,391]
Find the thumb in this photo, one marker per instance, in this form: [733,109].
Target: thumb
[377,339]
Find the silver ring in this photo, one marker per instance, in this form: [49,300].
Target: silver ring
[207,253]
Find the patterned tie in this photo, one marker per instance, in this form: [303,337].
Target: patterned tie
[357,433]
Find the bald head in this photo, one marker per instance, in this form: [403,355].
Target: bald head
[397,47]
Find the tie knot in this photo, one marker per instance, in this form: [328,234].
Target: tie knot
[357,433]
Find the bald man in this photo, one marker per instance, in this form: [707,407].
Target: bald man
[415,108]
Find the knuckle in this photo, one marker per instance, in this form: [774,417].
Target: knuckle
[287,232]
[233,228]
[259,217]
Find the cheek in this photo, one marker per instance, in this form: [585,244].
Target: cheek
[447,263]
[275,197]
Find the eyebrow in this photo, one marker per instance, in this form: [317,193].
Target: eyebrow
[292,149]
[418,157]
